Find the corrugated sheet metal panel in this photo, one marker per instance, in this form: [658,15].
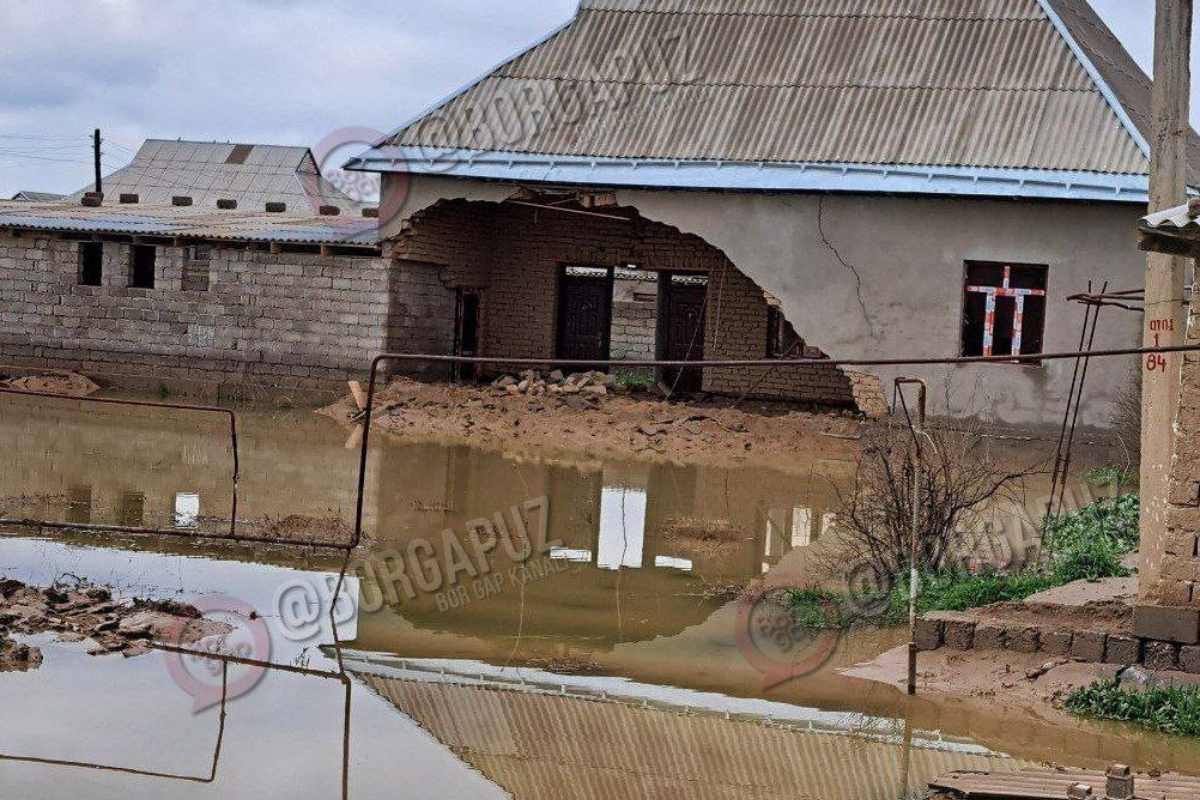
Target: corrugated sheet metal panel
[534,744]
[939,127]
[908,82]
[191,223]
[944,9]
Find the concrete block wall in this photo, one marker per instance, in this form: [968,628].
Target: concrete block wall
[635,315]
[268,324]
[519,272]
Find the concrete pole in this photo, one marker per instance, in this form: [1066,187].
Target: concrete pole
[1165,277]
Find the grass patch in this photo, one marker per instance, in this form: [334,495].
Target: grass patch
[1117,477]
[814,608]
[635,379]
[1166,709]
[1085,545]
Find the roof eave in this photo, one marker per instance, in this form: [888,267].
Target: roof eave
[758,176]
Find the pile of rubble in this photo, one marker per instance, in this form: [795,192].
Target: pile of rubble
[533,384]
[92,614]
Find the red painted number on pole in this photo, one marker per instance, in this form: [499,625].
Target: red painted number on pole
[1156,362]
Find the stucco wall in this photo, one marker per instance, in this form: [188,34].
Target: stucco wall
[267,324]
[869,276]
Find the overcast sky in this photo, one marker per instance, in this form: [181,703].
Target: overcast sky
[263,71]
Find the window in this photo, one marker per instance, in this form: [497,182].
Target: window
[91,263]
[1004,309]
[141,266]
[196,262]
[782,340]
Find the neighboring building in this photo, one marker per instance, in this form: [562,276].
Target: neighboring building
[850,175]
[217,269]
[37,197]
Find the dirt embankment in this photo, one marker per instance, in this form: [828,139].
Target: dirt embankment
[66,384]
[91,613]
[608,424]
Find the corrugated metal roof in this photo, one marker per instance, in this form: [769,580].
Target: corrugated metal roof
[208,171]
[1173,218]
[191,223]
[37,197]
[987,84]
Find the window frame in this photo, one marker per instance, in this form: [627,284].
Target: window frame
[1026,360]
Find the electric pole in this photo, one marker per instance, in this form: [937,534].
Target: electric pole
[96,159]
[1165,313]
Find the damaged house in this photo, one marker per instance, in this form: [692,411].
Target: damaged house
[858,178]
[677,179]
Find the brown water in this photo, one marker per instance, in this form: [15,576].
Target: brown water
[609,667]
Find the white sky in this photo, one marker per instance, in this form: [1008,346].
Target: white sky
[263,71]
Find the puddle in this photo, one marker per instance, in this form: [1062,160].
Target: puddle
[606,665]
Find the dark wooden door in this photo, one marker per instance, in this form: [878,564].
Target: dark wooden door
[466,332]
[684,329]
[584,313]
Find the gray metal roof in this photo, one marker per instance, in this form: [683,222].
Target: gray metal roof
[37,197]
[1034,85]
[191,223]
[207,171]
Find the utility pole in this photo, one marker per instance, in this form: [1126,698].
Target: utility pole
[96,159]
[1165,321]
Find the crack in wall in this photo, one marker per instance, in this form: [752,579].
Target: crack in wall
[836,254]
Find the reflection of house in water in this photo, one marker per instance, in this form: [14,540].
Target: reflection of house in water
[552,737]
[633,553]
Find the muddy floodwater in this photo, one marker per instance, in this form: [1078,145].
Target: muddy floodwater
[608,661]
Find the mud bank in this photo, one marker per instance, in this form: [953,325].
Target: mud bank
[91,614]
[611,425]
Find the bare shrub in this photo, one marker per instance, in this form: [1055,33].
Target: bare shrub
[1126,420]
[960,479]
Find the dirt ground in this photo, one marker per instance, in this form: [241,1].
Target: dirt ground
[611,425]
[91,614]
[66,384]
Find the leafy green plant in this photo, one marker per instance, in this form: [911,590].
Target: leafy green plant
[1167,709]
[1089,544]
[1109,476]
[959,591]
[635,379]
[164,391]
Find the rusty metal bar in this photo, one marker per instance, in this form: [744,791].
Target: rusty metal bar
[113,401]
[914,572]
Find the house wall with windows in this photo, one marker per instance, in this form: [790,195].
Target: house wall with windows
[207,319]
[870,276]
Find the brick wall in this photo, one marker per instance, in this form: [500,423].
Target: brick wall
[268,324]
[514,253]
[1180,560]
[635,316]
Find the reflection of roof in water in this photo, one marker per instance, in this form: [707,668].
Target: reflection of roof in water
[539,735]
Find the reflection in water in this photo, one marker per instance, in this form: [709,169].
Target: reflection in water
[622,527]
[641,547]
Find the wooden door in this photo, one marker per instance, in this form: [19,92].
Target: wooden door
[584,313]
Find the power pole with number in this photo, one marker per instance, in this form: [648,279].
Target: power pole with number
[1165,276]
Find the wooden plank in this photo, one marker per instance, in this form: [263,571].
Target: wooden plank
[1049,784]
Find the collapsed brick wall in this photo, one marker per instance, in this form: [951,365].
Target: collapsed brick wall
[514,253]
[268,323]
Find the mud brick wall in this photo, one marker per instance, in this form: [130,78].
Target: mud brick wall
[963,631]
[514,253]
[1179,551]
[267,325]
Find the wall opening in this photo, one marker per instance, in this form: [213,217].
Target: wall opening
[141,266]
[91,263]
[197,261]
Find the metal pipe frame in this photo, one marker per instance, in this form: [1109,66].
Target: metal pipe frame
[114,401]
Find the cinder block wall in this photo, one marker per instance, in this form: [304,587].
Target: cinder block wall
[514,253]
[268,325]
